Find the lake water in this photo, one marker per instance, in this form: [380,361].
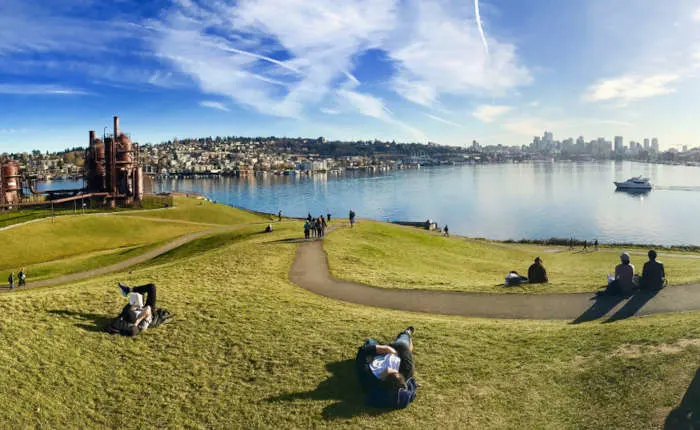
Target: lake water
[497,201]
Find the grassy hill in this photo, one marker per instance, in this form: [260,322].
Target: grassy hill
[391,256]
[247,349]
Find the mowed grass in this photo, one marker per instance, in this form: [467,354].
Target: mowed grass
[247,349]
[71,244]
[392,256]
[203,211]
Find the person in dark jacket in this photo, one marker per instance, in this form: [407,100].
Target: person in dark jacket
[537,274]
[653,274]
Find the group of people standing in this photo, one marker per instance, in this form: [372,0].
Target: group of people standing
[316,227]
[21,278]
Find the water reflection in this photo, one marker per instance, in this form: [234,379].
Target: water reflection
[530,200]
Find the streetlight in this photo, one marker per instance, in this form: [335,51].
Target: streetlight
[104,133]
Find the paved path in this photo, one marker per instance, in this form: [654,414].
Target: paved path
[310,271]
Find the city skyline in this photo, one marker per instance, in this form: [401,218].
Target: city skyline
[441,71]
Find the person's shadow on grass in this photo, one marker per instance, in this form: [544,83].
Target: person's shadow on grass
[687,414]
[97,322]
[342,386]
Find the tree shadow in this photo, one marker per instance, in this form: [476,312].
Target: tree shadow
[601,306]
[687,414]
[342,386]
[95,322]
[637,302]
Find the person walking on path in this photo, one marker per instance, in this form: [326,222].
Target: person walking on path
[595,244]
[22,277]
[352,218]
[585,246]
[324,225]
[307,230]
[446,231]
[279,216]
[11,280]
[328,217]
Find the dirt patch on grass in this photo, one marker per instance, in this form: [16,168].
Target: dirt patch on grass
[636,351]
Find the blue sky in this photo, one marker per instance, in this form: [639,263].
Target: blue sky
[407,70]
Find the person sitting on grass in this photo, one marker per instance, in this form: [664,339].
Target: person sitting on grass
[386,372]
[623,281]
[653,274]
[268,229]
[536,273]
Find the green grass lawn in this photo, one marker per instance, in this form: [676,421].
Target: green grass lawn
[203,211]
[70,244]
[391,256]
[247,349]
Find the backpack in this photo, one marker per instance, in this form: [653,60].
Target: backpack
[376,395]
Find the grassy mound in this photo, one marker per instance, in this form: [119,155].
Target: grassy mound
[391,256]
[49,249]
[248,349]
[203,211]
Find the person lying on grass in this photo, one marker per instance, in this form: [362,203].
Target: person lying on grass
[137,316]
[386,372]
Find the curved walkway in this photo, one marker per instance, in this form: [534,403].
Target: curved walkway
[310,271]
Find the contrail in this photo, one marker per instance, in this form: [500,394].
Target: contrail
[481,28]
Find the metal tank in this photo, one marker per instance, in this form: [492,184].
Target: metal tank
[11,185]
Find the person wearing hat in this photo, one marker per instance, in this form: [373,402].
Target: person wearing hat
[537,273]
[624,274]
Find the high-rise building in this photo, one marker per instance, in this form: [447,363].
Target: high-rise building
[646,144]
[548,137]
[655,144]
[619,145]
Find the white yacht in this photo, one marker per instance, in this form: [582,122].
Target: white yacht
[636,183]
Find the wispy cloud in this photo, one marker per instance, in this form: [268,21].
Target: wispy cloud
[214,105]
[38,89]
[480,26]
[489,113]
[627,89]
[442,120]
[246,51]
[374,107]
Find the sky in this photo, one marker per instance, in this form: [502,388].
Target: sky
[449,72]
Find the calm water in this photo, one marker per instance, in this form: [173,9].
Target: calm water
[508,201]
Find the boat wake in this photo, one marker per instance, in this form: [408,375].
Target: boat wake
[677,187]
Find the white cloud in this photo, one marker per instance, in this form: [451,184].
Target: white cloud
[374,107]
[214,105]
[435,52]
[696,15]
[631,88]
[439,52]
[330,111]
[442,120]
[34,89]
[489,113]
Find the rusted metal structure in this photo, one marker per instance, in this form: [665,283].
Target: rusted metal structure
[113,175]
[10,184]
[119,174]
